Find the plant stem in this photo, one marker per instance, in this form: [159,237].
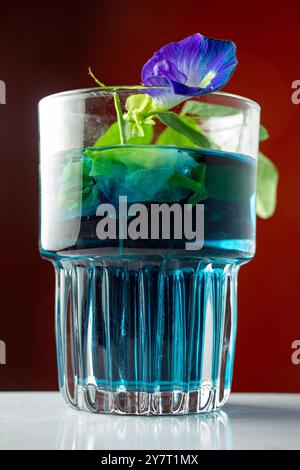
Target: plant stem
[120,118]
[96,79]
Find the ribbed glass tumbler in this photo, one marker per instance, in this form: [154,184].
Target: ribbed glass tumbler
[146,234]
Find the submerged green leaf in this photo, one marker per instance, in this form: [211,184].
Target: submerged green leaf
[77,191]
[196,183]
[140,174]
[267,181]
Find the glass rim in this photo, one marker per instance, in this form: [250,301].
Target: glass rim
[96,92]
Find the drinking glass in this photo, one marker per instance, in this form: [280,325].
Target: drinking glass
[145,314]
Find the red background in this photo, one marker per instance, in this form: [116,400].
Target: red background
[46,47]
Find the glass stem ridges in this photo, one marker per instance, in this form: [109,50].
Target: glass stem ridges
[164,344]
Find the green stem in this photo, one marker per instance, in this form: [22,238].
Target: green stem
[197,187]
[96,79]
[177,179]
[120,119]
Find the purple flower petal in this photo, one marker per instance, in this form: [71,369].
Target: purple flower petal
[194,66]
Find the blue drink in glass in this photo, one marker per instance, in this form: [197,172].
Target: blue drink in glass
[144,325]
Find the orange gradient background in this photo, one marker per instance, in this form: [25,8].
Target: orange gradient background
[46,47]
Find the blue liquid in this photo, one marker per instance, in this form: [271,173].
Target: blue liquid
[229,219]
[130,320]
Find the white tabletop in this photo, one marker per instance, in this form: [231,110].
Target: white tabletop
[248,421]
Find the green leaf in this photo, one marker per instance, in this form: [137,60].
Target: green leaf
[106,167]
[196,184]
[142,174]
[145,139]
[171,137]
[263,133]
[139,108]
[76,188]
[112,137]
[177,124]
[267,181]
[207,110]
[141,103]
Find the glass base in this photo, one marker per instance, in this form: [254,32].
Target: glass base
[142,403]
[145,336]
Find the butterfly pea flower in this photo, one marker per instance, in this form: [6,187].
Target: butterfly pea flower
[196,65]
